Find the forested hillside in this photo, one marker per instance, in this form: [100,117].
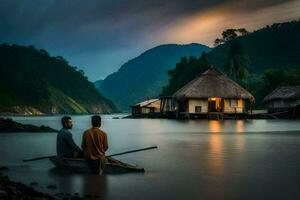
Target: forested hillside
[33,82]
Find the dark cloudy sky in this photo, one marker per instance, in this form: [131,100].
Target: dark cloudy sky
[100,35]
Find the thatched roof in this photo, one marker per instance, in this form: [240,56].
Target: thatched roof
[145,103]
[212,83]
[290,92]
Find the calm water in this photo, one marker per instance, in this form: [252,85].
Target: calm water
[198,159]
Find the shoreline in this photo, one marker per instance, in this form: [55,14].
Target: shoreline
[253,117]
[10,189]
[8,125]
[6,115]
[17,190]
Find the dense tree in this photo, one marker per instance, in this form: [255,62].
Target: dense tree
[237,60]
[36,90]
[271,79]
[185,70]
[230,34]
[275,77]
[236,66]
[44,52]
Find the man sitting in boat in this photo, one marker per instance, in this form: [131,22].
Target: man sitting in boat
[94,145]
[65,145]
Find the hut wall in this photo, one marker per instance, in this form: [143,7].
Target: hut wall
[146,110]
[150,108]
[202,106]
[279,105]
[135,110]
[155,105]
[234,105]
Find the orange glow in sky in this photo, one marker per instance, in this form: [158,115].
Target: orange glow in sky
[206,26]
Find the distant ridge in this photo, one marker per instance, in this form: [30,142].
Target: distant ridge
[144,76]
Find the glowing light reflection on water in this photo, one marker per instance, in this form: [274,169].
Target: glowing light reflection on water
[195,159]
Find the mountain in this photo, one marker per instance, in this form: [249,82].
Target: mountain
[143,77]
[277,46]
[269,56]
[99,83]
[33,82]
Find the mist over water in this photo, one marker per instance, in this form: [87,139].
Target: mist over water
[195,159]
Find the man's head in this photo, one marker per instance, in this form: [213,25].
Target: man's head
[96,121]
[66,122]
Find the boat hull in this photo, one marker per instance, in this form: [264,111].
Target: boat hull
[113,166]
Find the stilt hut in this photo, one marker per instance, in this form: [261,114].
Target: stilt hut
[146,107]
[212,92]
[284,99]
[166,104]
[167,107]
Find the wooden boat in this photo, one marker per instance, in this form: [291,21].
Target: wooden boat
[113,166]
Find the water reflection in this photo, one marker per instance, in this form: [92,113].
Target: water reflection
[218,147]
[215,154]
[240,143]
[235,159]
[95,186]
[214,126]
[240,126]
[224,126]
[68,181]
[87,185]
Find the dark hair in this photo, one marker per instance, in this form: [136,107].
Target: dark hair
[96,121]
[64,120]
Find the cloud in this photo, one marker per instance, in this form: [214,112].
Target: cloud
[90,32]
[94,23]
[208,25]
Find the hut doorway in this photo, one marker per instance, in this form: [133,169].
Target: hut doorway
[183,106]
[215,104]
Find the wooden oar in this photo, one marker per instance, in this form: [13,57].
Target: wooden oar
[38,158]
[116,154]
[132,151]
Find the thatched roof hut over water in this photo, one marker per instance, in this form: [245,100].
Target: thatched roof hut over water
[288,92]
[284,99]
[213,91]
[146,107]
[213,83]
